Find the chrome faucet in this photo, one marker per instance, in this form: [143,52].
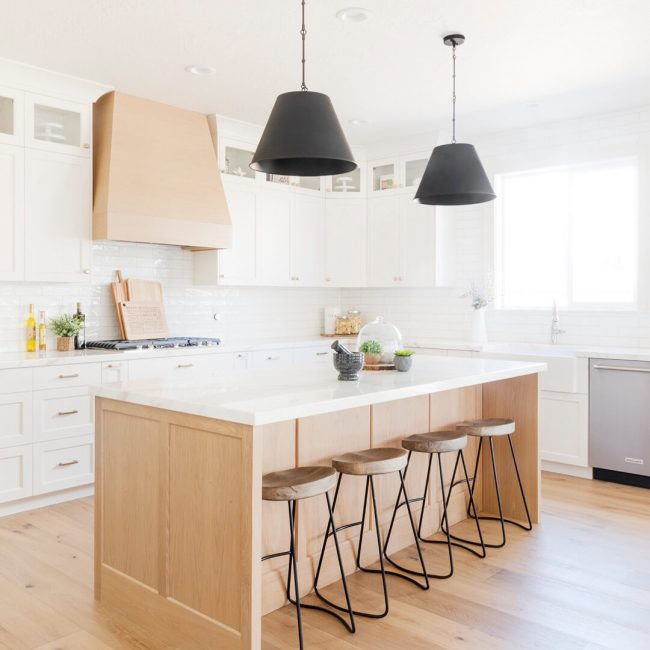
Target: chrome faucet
[555,325]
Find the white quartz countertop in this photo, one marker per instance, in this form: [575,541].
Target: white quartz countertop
[267,395]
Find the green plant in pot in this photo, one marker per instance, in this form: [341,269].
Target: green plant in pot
[66,327]
[372,351]
[403,360]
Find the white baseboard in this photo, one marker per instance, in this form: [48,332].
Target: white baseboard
[31,503]
[570,470]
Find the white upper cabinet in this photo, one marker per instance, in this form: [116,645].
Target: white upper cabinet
[383,176]
[12,213]
[57,217]
[383,241]
[12,112]
[401,242]
[345,243]
[417,243]
[57,125]
[273,238]
[307,237]
[345,186]
[237,264]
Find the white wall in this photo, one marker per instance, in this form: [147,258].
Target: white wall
[247,313]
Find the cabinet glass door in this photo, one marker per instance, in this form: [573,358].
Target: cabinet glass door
[349,183]
[11,116]
[305,182]
[413,171]
[383,177]
[237,162]
[58,125]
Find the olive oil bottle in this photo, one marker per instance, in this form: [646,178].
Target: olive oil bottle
[80,339]
[42,332]
[31,330]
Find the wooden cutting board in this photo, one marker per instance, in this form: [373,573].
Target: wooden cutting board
[120,295]
[144,290]
[144,320]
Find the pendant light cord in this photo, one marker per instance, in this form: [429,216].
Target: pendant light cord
[453,95]
[303,34]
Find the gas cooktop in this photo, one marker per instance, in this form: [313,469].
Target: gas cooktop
[143,344]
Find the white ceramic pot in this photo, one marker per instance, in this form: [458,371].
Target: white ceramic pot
[479,330]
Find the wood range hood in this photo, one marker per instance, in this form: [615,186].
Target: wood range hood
[156,177]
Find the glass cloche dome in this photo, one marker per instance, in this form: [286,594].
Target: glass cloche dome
[386,334]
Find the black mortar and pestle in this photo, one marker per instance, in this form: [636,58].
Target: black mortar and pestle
[347,363]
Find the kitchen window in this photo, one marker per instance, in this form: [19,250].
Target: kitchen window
[568,234]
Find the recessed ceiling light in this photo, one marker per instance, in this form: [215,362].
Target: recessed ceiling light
[200,69]
[358,122]
[533,105]
[353,14]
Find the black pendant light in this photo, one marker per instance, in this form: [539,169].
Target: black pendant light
[303,136]
[454,174]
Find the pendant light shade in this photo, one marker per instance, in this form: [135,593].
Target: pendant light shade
[454,174]
[303,137]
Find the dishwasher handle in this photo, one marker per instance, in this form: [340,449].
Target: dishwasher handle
[599,366]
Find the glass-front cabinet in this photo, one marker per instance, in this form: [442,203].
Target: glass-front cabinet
[11,116]
[312,183]
[400,174]
[57,125]
[236,162]
[413,171]
[383,176]
[349,184]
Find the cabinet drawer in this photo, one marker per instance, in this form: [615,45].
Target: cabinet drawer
[115,371]
[77,374]
[61,464]
[15,419]
[15,380]
[272,357]
[170,366]
[318,354]
[62,412]
[15,473]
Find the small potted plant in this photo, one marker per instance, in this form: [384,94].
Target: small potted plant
[403,360]
[66,327]
[372,351]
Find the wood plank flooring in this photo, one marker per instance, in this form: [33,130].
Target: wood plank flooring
[580,581]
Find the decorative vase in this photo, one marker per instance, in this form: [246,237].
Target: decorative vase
[372,359]
[479,331]
[402,363]
[65,343]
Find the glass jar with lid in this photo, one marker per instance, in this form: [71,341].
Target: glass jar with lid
[386,334]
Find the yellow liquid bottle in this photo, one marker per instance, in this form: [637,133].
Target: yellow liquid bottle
[42,332]
[31,330]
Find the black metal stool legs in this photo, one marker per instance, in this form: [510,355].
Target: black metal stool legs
[293,571]
[370,490]
[445,518]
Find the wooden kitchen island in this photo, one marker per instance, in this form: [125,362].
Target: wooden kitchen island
[180,524]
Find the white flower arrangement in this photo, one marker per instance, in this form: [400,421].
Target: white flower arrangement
[481,294]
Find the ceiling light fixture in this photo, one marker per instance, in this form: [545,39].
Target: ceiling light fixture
[201,70]
[353,15]
[303,136]
[454,174]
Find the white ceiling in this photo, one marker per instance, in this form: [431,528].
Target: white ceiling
[572,56]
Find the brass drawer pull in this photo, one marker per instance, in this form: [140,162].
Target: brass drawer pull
[599,366]
[70,462]
[114,365]
[185,365]
[68,412]
[321,354]
[76,374]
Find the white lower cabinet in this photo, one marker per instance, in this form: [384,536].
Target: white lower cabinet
[261,358]
[15,473]
[63,464]
[321,355]
[15,419]
[113,371]
[564,428]
[170,366]
[63,412]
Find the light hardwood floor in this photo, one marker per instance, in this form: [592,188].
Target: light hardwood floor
[580,581]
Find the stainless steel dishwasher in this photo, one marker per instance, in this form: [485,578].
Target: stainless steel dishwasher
[619,420]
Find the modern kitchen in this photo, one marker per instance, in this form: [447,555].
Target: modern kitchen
[324,326]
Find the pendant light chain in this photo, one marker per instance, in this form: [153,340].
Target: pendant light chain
[453,95]
[303,34]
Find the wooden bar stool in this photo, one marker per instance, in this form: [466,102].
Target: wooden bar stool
[292,485]
[490,428]
[438,443]
[368,463]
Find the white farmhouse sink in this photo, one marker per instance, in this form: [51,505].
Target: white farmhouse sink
[562,373]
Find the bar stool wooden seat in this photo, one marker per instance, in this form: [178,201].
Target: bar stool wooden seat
[369,463]
[490,428]
[435,442]
[292,485]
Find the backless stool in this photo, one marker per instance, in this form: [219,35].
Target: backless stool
[490,428]
[368,463]
[292,485]
[438,443]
